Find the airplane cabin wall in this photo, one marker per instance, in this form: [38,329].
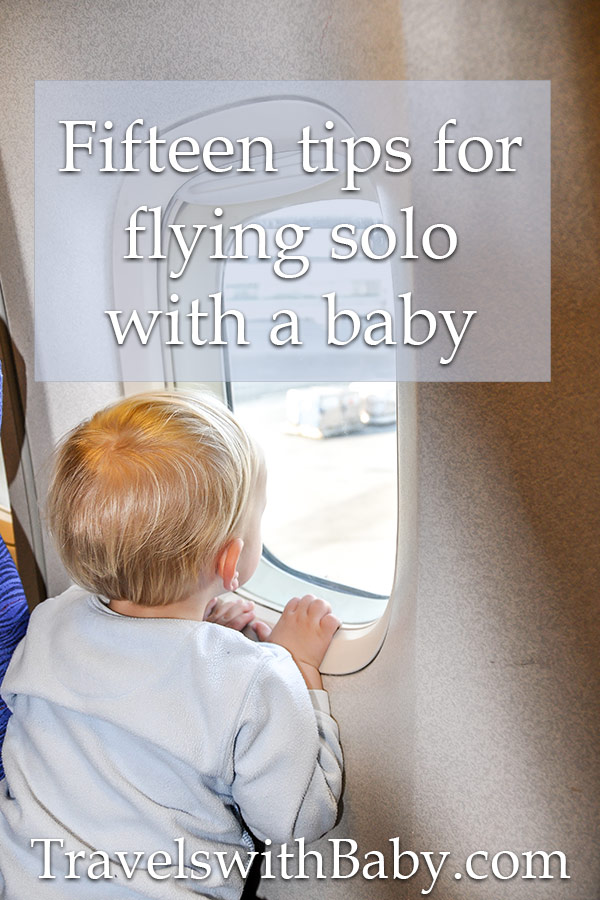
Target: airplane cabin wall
[507,699]
[474,727]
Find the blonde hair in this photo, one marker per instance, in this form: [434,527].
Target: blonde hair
[146,493]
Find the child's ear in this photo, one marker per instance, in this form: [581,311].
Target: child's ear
[227,563]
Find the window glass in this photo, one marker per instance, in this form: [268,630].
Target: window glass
[331,461]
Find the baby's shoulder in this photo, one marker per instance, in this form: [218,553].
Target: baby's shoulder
[232,649]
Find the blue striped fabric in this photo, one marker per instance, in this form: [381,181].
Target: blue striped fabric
[14,615]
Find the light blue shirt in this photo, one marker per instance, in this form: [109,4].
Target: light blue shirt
[129,734]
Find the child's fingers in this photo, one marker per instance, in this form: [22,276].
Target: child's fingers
[262,630]
[330,623]
[304,604]
[226,613]
[316,607]
[239,622]
[238,606]
[236,610]
[292,605]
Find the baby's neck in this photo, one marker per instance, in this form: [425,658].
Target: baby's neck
[191,607]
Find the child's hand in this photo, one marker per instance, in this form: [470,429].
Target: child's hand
[306,628]
[236,613]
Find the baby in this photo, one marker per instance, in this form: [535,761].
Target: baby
[148,743]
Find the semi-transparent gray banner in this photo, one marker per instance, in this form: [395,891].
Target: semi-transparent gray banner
[292,231]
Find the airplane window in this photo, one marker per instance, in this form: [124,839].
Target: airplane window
[330,448]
